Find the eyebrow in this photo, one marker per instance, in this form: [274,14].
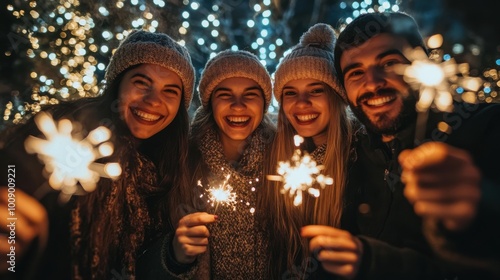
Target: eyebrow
[378,57]
[151,80]
[308,85]
[228,89]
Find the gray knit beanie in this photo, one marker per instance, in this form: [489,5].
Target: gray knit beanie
[231,64]
[311,58]
[156,48]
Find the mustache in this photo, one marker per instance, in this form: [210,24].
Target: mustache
[379,93]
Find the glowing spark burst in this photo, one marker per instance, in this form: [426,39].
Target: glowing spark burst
[432,78]
[70,160]
[300,174]
[220,195]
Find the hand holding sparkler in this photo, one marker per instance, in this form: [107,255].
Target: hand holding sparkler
[338,250]
[300,174]
[69,159]
[442,182]
[191,236]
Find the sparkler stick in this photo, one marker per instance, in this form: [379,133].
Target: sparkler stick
[69,159]
[300,174]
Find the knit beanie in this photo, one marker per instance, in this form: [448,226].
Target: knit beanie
[230,64]
[155,48]
[311,58]
[366,26]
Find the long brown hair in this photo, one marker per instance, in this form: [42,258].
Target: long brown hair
[111,224]
[285,219]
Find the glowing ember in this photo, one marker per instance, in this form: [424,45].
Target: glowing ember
[300,174]
[220,195]
[70,160]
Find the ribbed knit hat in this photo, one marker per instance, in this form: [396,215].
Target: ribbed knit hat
[311,58]
[155,48]
[231,64]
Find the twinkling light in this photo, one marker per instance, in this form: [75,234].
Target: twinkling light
[300,174]
[68,158]
[221,195]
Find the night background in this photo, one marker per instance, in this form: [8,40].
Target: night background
[58,50]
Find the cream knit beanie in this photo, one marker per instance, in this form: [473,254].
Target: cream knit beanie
[156,48]
[230,64]
[311,58]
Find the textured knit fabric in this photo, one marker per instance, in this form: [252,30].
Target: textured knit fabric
[231,64]
[238,248]
[311,58]
[154,48]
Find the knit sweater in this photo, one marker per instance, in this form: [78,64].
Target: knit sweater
[238,249]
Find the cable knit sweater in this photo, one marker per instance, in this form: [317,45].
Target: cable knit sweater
[238,245]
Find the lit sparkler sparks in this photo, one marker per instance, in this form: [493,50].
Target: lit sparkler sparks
[69,159]
[432,78]
[300,174]
[220,195]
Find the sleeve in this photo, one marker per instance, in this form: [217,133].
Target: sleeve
[383,261]
[475,251]
[158,262]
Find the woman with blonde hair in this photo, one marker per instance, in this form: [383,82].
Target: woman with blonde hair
[311,106]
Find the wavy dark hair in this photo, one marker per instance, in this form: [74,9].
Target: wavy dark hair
[110,225]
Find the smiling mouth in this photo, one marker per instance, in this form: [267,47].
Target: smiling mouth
[148,117]
[379,101]
[306,118]
[238,120]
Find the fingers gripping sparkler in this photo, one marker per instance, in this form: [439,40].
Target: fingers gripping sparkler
[300,174]
[69,159]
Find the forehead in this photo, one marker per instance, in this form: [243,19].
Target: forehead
[155,71]
[369,50]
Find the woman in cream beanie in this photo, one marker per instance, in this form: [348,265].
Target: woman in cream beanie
[312,106]
[98,235]
[228,139]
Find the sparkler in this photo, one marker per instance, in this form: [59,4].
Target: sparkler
[300,174]
[220,195]
[68,158]
[432,78]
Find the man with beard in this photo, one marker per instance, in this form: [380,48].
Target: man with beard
[446,179]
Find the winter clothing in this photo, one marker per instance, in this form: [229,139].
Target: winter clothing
[231,64]
[238,247]
[69,232]
[311,58]
[156,48]
[394,246]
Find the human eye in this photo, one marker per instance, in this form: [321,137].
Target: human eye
[317,90]
[223,95]
[172,91]
[354,74]
[141,83]
[289,93]
[252,94]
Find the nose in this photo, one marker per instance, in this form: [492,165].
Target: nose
[374,79]
[238,103]
[153,98]
[303,99]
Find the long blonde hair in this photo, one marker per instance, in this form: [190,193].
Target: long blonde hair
[285,219]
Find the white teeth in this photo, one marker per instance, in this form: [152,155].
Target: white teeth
[238,119]
[379,101]
[146,116]
[305,118]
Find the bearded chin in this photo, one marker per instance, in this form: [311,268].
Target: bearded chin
[385,125]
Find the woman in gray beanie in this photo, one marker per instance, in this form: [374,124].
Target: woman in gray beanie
[312,106]
[228,139]
[98,235]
